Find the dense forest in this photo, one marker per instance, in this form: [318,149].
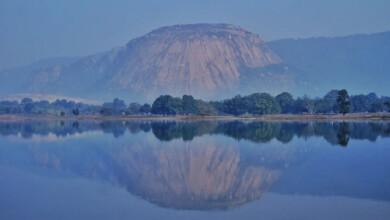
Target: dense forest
[334,102]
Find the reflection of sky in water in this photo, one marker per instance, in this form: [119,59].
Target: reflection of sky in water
[51,137]
[238,172]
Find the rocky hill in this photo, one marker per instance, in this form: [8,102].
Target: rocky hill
[210,61]
[204,60]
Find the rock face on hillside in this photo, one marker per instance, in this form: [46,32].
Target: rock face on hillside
[191,59]
[204,60]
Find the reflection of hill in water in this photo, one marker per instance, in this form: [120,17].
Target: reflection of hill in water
[184,172]
[182,175]
[193,176]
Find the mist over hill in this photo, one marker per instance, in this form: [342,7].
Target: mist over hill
[359,63]
[205,60]
[210,61]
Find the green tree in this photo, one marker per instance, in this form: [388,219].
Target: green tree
[145,109]
[119,105]
[262,103]
[28,105]
[189,105]
[330,100]
[328,104]
[10,107]
[76,112]
[365,103]
[286,102]
[377,106]
[205,108]
[26,100]
[116,107]
[234,106]
[134,108]
[322,106]
[387,104]
[343,102]
[304,105]
[167,105]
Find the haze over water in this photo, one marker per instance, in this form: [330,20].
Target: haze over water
[194,170]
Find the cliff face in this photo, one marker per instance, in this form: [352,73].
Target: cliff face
[192,59]
[211,61]
[203,60]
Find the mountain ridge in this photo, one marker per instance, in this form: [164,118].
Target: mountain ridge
[204,60]
[211,61]
[358,62]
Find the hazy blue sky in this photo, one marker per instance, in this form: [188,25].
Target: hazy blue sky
[35,29]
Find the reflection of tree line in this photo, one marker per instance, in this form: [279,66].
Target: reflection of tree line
[69,128]
[199,174]
[337,133]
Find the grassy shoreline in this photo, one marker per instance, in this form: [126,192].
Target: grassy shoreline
[276,117]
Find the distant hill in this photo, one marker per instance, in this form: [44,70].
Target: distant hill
[360,63]
[18,80]
[211,61]
[204,60]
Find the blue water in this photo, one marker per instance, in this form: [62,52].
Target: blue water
[194,170]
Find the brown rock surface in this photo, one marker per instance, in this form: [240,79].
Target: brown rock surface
[204,60]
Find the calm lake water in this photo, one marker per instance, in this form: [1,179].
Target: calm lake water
[194,170]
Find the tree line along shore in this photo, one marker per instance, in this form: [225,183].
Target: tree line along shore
[335,104]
